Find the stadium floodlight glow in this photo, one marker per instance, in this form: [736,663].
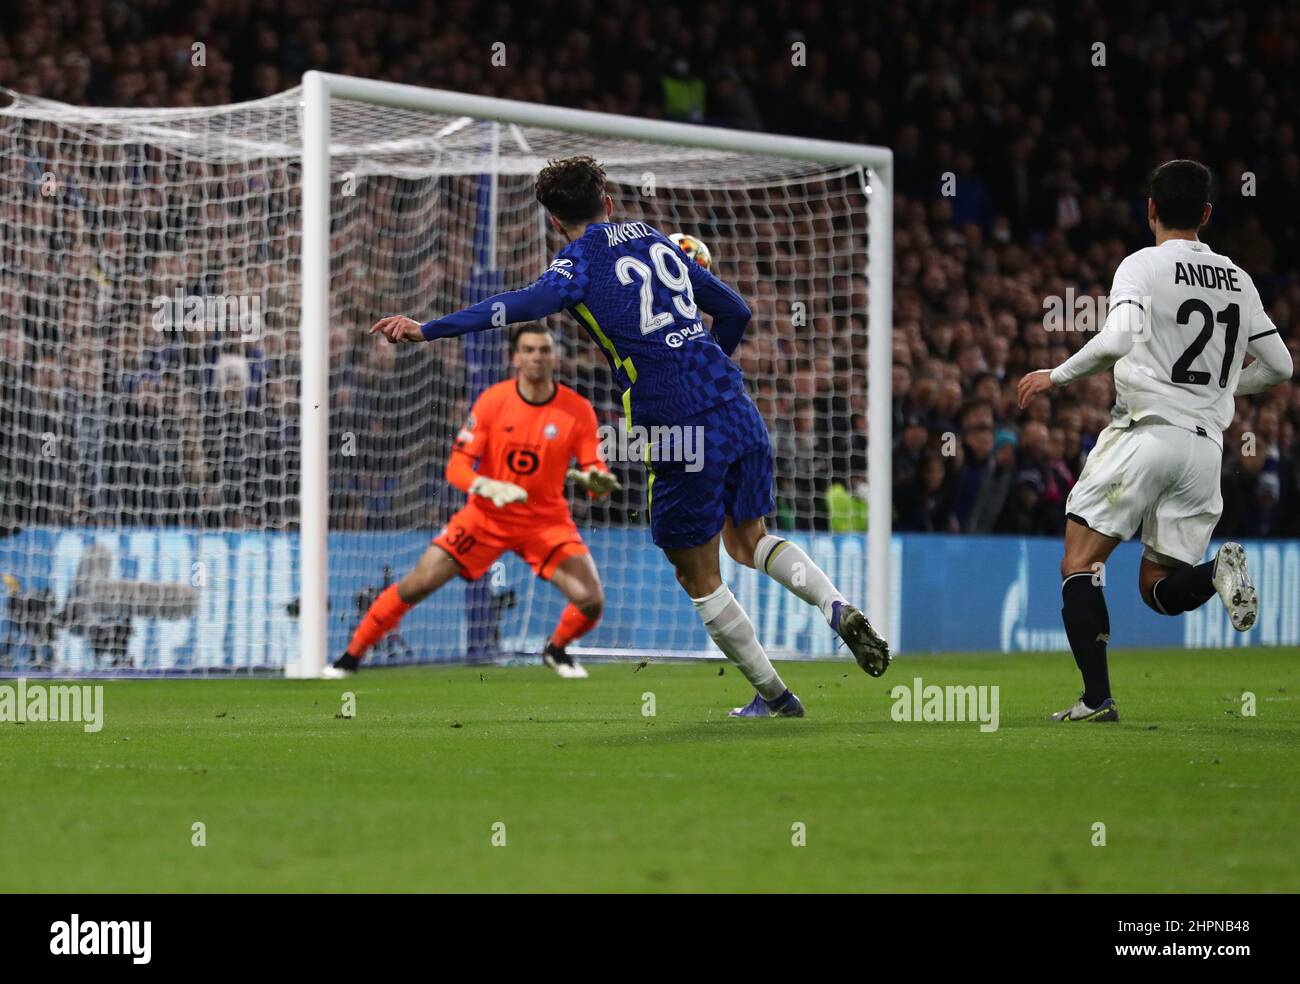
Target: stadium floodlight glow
[321,90]
[225,476]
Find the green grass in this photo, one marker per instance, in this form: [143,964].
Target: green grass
[596,796]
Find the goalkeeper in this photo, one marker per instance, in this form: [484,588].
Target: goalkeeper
[522,435]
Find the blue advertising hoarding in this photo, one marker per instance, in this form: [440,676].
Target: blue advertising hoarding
[950,593]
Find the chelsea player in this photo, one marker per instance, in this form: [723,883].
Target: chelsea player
[638,296]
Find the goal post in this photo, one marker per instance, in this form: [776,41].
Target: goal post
[313,615]
[320,90]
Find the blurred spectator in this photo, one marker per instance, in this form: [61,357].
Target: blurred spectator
[683,93]
[926,505]
[1026,512]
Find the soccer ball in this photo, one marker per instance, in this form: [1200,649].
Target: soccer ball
[693,248]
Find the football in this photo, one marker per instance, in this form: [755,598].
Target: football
[694,248]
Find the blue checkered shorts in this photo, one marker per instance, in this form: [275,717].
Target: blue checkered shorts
[731,475]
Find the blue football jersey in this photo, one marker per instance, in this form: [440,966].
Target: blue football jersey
[641,299]
[635,292]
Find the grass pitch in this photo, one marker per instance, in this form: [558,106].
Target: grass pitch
[595,795]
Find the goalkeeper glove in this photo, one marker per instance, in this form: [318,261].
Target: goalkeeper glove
[595,480]
[502,494]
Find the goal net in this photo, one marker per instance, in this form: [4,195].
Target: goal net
[207,464]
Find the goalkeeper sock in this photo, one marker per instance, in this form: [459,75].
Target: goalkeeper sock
[1184,590]
[381,618]
[729,626]
[1087,626]
[787,564]
[573,624]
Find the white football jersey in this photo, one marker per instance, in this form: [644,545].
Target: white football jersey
[1199,311]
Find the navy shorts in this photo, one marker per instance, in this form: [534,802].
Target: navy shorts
[728,472]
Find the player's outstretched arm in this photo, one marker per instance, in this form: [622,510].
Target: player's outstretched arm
[1031,384]
[1123,325]
[398,328]
[538,300]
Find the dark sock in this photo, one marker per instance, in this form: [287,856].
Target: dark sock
[1185,589]
[1087,625]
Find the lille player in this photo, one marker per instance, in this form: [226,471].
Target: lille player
[634,292]
[522,434]
[1181,319]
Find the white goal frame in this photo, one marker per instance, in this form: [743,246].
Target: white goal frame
[319,88]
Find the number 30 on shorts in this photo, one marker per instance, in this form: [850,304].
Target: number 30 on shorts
[459,540]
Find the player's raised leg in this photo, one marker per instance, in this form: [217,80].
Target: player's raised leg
[435,568]
[578,581]
[787,563]
[1087,621]
[729,626]
[1171,588]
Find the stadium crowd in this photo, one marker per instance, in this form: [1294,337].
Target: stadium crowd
[1022,134]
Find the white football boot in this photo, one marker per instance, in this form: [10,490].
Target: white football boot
[1232,581]
[1106,711]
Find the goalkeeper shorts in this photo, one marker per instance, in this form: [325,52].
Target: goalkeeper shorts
[475,542]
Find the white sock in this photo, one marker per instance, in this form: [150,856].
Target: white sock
[729,626]
[787,564]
